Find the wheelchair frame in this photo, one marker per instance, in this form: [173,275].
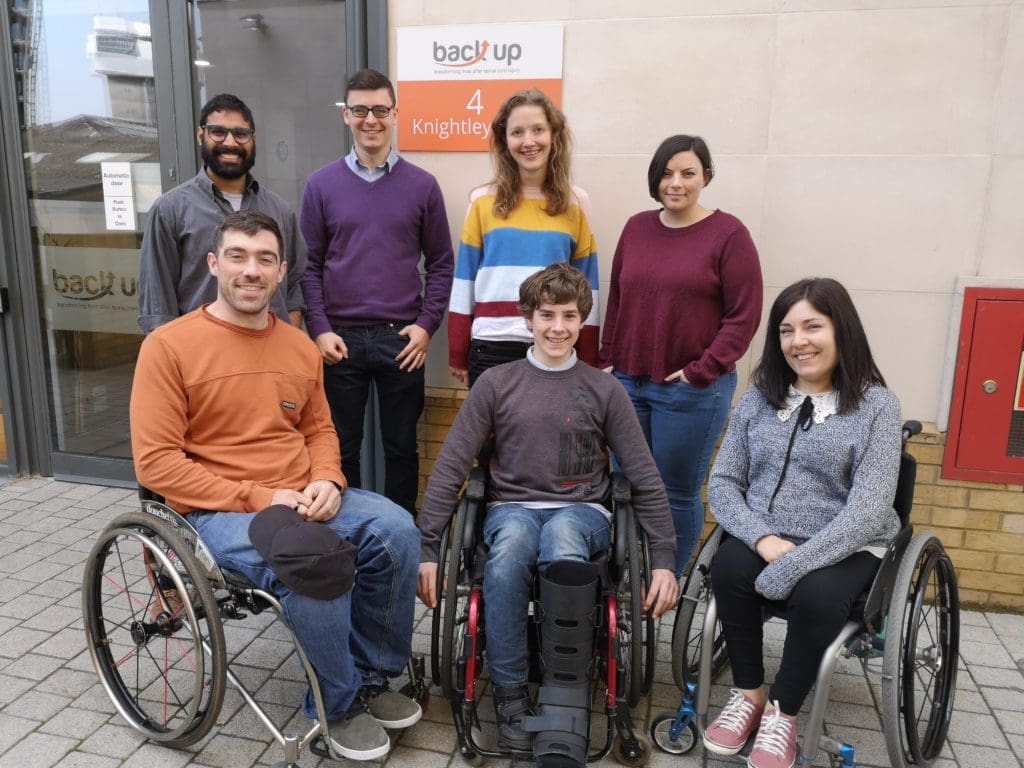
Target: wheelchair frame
[915,582]
[457,639]
[154,629]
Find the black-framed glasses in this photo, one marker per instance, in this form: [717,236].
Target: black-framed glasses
[219,133]
[379,110]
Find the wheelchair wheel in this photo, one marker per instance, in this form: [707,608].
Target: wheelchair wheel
[149,611]
[453,602]
[921,654]
[437,614]
[631,623]
[688,627]
[661,734]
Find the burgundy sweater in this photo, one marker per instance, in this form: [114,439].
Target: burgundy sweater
[686,298]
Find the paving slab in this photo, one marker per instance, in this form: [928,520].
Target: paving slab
[53,711]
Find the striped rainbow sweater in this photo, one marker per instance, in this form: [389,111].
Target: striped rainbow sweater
[496,255]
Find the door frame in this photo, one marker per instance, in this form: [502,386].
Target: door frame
[28,422]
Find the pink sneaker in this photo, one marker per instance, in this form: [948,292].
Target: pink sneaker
[775,744]
[733,726]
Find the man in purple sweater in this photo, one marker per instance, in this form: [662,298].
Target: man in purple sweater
[368,218]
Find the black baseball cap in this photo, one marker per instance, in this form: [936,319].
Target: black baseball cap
[309,557]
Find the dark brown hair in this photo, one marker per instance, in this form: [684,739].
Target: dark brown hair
[855,370]
[556,284]
[248,223]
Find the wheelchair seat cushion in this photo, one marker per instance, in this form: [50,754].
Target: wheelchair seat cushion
[309,557]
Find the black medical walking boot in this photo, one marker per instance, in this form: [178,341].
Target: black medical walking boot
[568,615]
[511,705]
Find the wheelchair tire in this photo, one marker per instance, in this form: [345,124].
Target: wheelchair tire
[922,647]
[149,610]
[437,614]
[689,624]
[631,617]
[453,606]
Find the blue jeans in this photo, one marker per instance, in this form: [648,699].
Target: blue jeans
[371,359]
[362,637]
[522,541]
[681,423]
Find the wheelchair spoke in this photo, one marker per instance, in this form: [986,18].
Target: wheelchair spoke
[145,598]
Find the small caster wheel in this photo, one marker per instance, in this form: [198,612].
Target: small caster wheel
[633,752]
[469,757]
[660,734]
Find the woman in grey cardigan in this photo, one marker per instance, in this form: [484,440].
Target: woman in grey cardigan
[803,486]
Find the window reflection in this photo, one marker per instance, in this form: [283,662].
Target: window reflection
[88,114]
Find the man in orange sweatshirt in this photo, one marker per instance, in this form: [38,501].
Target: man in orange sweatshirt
[228,418]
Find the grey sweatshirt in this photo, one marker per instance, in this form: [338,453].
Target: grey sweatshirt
[837,493]
[552,431]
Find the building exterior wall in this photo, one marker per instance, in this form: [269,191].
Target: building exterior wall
[880,143]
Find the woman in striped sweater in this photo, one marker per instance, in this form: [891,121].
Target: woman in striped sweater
[529,216]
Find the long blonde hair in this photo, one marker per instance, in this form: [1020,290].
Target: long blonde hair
[557,187]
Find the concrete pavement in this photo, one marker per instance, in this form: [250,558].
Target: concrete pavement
[53,711]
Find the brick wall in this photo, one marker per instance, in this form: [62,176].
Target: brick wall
[981,524]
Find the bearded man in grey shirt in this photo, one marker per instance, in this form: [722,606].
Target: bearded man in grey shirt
[173,275]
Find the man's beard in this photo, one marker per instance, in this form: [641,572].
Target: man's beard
[212,161]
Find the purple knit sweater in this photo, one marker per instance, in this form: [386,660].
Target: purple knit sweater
[681,298]
[365,240]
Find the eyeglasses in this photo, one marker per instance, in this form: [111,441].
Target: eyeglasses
[379,111]
[219,133]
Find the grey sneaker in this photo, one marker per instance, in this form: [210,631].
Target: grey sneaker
[358,736]
[391,709]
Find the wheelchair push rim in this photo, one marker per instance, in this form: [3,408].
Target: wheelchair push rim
[149,611]
[921,654]
[687,630]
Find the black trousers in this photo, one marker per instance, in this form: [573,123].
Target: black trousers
[371,361]
[815,611]
[487,354]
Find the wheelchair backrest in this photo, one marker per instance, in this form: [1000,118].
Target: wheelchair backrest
[876,604]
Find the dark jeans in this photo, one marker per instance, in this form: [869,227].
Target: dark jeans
[371,358]
[487,354]
[815,611]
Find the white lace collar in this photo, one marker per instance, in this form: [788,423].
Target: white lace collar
[825,404]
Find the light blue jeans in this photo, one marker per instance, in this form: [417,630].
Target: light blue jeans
[681,423]
[362,637]
[522,542]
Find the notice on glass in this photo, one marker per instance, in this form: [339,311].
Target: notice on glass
[118,198]
[452,79]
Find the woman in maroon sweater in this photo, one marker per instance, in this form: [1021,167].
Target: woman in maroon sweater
[685,301]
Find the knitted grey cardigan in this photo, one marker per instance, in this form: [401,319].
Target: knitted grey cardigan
[837,494]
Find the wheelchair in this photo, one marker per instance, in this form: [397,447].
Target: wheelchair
[910,617]
[624,645]
[154,603]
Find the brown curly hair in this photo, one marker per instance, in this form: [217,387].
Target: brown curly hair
[557,187]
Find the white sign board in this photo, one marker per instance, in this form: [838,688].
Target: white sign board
[118,198]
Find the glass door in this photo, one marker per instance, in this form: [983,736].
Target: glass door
[286,61]
[87,114]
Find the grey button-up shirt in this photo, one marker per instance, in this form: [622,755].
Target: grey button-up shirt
[173,274]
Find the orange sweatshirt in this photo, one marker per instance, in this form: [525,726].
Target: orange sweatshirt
[222,416]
